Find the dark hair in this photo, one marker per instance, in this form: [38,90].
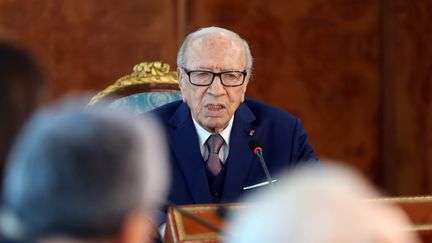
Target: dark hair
[22,83]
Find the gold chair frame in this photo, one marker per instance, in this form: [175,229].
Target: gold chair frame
[145,77]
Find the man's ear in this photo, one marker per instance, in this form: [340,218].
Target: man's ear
[244,88]
[180,79]
[245,85]
[137,227]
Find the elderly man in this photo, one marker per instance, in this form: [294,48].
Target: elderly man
[84,176]
[210,130]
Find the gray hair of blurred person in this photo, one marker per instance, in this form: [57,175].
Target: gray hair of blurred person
[181,55]
[80,173]
[325,204]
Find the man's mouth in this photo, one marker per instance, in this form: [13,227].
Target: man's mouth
[215,107]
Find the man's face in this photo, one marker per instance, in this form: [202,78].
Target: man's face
[213,106]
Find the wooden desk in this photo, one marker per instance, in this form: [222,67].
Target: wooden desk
[419,210]
[181,228]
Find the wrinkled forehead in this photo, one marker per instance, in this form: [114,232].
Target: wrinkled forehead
[219,47]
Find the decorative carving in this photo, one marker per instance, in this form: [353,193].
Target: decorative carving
[143,73]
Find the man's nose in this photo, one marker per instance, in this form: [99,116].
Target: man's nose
[216,87]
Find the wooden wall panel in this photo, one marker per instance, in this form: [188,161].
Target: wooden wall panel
[317,59]
[89,44]
[407,101]
[358,73]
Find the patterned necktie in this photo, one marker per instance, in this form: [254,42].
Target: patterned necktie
[214,144]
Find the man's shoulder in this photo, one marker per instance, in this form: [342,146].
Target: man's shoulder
[263,110]
[167,110]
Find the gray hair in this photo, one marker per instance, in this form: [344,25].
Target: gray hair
[80,173]
[320,204]
[208,30]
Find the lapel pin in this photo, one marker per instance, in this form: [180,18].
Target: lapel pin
[251,132]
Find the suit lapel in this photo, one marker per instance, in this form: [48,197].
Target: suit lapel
[188,154]
[240,157]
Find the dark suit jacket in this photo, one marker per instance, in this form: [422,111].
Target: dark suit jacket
[285,146]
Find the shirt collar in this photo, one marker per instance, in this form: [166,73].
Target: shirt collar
[203,134]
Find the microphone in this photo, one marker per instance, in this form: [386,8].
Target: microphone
[257,147]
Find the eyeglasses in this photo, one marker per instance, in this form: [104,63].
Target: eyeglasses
[205,78]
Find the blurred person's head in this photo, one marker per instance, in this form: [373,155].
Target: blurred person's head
[214,66]
[23,87]
[326,204]
[84,175]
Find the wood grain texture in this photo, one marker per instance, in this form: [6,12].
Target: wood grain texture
[317,59]
[358,73]
[407,103]
[86,45]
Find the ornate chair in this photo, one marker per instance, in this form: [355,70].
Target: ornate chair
[149,85]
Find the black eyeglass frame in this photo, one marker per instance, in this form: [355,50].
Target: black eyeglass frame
[219,74]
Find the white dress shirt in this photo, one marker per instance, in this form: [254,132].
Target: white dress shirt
[203,135]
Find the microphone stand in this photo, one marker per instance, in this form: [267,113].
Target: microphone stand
[258,152]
